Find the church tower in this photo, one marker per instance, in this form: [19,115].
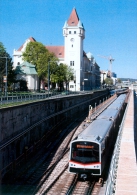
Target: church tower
[74,34]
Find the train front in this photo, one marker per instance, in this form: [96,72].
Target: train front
[85,158]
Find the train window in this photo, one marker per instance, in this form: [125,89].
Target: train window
[85,152]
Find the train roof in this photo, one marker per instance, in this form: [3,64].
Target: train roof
[110,113]
[118,102]
[113,109]
[122,96]
[96,131]
[115,105]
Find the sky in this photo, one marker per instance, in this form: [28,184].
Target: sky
[110,28]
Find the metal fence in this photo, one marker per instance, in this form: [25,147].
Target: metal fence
[111,182]
[21,98]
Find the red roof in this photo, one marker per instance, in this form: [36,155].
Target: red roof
[31,39]
[57,50]
[73,19]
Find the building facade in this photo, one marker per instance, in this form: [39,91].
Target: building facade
[86,70]
[108,74]
[27,72]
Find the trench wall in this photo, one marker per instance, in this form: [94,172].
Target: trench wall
[14,121]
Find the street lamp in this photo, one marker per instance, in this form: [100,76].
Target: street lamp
[5,78]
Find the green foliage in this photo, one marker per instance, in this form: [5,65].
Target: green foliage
[37,54]
[4,56]
[119,80]
[47,64]
[62,73]
[23,85]
[109,81]
[2,62]
[11,76]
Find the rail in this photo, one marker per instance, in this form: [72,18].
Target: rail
[111,182]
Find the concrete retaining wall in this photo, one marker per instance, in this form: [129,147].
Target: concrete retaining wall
[14,121]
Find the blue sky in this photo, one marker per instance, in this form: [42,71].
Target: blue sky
[110,28]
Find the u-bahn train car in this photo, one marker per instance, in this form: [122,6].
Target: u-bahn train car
[90,150]
[118,91]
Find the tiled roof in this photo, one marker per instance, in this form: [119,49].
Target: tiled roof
[57,50]
[26,68]
[73,19]
[31,39]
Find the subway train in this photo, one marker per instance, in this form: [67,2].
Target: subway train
[90,150]
[118,91]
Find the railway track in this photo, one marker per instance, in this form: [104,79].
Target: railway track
[48,173]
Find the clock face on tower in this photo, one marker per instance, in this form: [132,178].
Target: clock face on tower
[72,39]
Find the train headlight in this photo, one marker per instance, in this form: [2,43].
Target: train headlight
[97,166]
[72,165]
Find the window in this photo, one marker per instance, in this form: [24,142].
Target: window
[71,63]
[74,32]
[18,63]
[85,152]
[69,32]
[71,86]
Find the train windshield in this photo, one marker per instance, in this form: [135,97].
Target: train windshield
[85,152]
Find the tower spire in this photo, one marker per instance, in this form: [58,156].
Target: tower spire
[73,19]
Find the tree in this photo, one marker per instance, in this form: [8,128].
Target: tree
[37,54]
[68,76]
[62,73]
[119,80]
[11,76]
[59,76]
[109,81]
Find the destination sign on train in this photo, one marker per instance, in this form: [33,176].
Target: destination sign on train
[84,146]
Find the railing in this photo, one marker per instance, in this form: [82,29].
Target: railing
[20,98]
[13,99]
[111,182]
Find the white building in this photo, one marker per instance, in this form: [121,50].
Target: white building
[108,74]
[27,72]
[86,70]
